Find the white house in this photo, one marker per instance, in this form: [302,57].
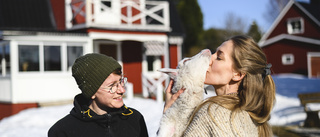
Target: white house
[40,39]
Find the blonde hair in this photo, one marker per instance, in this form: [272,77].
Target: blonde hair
[256,93]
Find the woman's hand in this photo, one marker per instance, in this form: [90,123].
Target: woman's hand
[170,97]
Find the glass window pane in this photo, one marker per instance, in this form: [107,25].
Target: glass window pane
[1,51]
[6,56]
[73,52]
[150,60]
[28,58]
[287,59]
[3,60]
[7,52]
[106,3]
[52,58]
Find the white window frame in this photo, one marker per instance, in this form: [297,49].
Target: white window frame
[290,27]
[63,50]
[285,57]
[65,56]
[310,55]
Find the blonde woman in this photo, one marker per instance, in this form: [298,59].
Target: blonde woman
[240,74]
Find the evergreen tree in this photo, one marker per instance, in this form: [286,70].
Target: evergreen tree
[212,38]
[254,32]
[192,19]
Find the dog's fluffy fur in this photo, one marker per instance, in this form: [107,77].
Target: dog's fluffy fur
[190,75]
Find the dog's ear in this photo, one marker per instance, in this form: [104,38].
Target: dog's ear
[171,72]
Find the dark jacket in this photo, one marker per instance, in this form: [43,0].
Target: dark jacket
[83,122]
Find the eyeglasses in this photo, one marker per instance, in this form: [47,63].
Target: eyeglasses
[114,87]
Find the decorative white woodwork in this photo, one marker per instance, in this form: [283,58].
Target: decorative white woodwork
[118,14]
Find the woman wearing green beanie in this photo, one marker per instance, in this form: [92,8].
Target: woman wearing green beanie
[99,110]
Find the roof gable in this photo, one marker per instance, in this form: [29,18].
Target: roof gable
[276,22]
[293,10]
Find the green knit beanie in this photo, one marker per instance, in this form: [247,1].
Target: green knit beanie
[91,70]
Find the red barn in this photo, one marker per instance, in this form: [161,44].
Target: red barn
[292,44]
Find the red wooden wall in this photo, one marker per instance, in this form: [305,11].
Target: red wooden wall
[275,51]
[173,55]
[8,109]
[132,63]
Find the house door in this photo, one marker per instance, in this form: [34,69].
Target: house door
[109,50]
[132,63]
[314,64]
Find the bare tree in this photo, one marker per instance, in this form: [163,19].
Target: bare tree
[234,25]
[254,31]
[274,8]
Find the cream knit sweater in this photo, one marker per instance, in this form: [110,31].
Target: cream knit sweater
[222,124]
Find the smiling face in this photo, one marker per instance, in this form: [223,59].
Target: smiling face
[220,71]
[103,100]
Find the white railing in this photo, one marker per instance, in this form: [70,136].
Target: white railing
[129,91]
[144,12]
[145,15]
[153,86]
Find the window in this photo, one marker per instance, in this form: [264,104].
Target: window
[295,25]
[287,59]
[48,58]
[106,5]
[28,58]
[109,49]
[73,52]
[52,58]
[150,60]
[4,58]
[154,63]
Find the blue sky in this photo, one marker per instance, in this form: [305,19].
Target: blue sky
[214,12]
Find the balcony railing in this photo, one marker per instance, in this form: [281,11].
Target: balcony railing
[153,86]
[118,14]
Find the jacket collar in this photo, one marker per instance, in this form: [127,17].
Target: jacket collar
[81,110]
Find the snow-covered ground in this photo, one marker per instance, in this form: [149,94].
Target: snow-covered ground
[35,122]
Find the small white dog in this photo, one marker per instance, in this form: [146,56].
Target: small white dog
[190,75]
